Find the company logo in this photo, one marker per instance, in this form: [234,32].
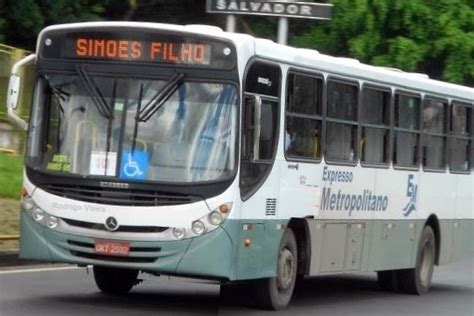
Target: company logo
[412,189]
[111,224]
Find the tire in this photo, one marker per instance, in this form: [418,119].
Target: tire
[275,293]
[418,280]
[115,281]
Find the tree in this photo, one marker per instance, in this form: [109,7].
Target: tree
[430,36]
[26,18]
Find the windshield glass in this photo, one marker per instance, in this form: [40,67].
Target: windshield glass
[95,128]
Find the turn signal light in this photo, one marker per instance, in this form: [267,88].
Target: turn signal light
[224,208]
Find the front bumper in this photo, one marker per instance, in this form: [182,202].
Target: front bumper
[208,256]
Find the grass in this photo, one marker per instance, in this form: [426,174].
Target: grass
[11,172]
[9,221]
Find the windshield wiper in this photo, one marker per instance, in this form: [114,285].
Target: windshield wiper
[137,117]
[58,92]
[161,97]
[94,92]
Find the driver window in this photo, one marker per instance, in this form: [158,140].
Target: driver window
[260,125]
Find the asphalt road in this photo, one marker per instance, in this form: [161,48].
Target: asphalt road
[70,291]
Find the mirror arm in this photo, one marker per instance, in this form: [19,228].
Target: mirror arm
[10,110]
[257,126]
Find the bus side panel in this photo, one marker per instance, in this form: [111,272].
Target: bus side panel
[463,233]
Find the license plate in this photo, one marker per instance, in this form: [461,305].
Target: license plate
[112,248]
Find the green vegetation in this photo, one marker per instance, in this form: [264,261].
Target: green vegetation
[11,172]
[433,37]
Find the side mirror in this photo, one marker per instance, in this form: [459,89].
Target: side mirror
[252,126]
[17,93]
[257,113]
[13,92]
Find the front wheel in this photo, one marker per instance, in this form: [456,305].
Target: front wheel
[115,280]
[275,293]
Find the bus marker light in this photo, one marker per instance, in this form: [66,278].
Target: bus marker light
[224,208]
[23,192]
[248,242]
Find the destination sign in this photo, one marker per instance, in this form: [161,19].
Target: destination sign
[318,11]
[188,53]
[133,46]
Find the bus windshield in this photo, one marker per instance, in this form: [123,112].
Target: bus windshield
[100,126]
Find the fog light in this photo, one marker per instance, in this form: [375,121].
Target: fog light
[198,227]
[28,203]
[179,233]
[215,218]
[52,222]
[38,214]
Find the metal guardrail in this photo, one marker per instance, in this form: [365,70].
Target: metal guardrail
[9,237]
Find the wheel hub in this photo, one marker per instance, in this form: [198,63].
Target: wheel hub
[286,269]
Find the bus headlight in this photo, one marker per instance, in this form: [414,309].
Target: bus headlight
[28,203]
[52,222]
[179,233]
[215,218]
[198,227]
[38,214]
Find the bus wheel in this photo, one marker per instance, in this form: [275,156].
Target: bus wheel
[418,279]
[275,293]
[115,280]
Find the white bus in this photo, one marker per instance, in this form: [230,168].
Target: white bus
[189,151]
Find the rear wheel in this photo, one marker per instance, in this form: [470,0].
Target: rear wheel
[275,293]
[115,280]
[418,279]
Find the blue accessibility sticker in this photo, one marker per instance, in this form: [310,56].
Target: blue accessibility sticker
[134,165]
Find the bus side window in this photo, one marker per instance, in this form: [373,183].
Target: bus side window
[342,122]
[303,117]
[375,121]
[434,134]
[460,140]
[407,131]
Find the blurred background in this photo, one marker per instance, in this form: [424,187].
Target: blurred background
[435,37]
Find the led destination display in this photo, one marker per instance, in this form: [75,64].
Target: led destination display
[139,47]
[189,53]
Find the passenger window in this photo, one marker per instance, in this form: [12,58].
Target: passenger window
[434,134]
[407,131]
[460,140]
[303,117]
[375,123]
[341,128]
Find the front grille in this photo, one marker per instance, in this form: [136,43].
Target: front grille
[87,253]
[94,256]
[124,229]
[117,196]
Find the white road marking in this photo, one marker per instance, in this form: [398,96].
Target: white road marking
[40,270]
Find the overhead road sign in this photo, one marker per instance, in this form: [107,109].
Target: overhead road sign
[306,10]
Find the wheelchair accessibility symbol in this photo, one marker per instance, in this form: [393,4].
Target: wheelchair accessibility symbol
[134,166]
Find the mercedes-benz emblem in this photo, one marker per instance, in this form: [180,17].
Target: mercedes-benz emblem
[111,224]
